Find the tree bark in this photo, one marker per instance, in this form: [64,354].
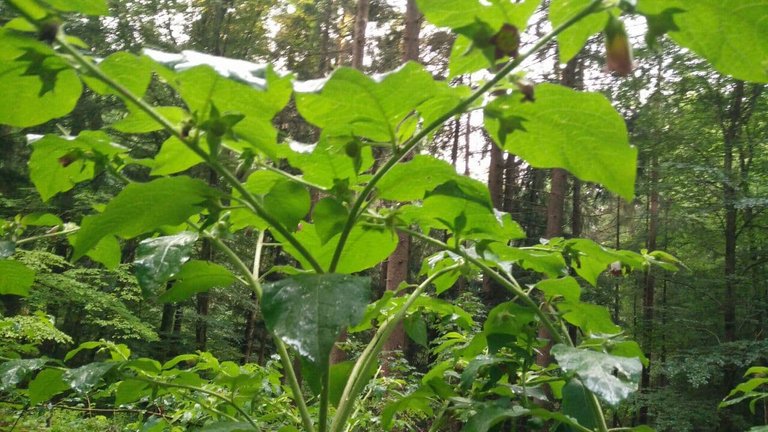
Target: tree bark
[361,23]
[730,136]
[411,33]
[649,281]
[397,264]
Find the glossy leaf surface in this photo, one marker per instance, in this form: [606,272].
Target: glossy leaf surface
[308,312]
[159,259]
[611,377]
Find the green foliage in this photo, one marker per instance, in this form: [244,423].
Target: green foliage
[487,372]
[309,311]
[589,141]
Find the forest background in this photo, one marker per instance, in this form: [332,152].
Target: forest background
[700,195]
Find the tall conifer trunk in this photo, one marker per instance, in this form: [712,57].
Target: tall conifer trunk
[397,264]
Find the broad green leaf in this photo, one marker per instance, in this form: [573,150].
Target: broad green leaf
[416,328]
[510,318]
[41,85]
[590,259]
[288,202]
[140,208]
[628,348]
[549,263]
[461,13]
[565,128]
[87,7]
[473,369]
[464,59]
[327,164]
[132,72]
[572,39]
[159,259]
[438,262]
[329,217]
[308,312]
[58,164]
[611,377]
[592,319]
[144,364]
[53,167]
[41,219]
[419,401]
[196,277]
[411,180]
[364,247]
[353,104]
[130,391]
[492,413]
[201,86]
[47,384]
[731,34]
[15,278]
[174,156]
[566,288]
[13,371]
[577,404]
[84,346]
[138,121]
[107,252]
[84,378]
[463,205]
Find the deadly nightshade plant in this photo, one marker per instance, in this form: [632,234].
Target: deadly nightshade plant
[226,115]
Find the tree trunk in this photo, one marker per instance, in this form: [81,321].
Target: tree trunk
[397,264]
[731,134]
[577,223]
[361,23]
[511,188]
[411,33]
[649,281]
[250,329]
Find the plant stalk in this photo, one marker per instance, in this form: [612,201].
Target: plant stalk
[356,383]
[230,178]
[251,277]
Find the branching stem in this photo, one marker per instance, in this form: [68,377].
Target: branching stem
[411,143]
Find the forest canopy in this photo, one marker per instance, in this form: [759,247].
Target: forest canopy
[337,215]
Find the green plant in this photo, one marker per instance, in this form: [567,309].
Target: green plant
[227,124]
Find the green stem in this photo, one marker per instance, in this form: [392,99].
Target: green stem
[356,383]
[439,419]
[220,169]
[510,284]
[292,177]
[515,288]
[204,391]
[324,394]
[47,235]
[411,143]
[293,382]
[251,277]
